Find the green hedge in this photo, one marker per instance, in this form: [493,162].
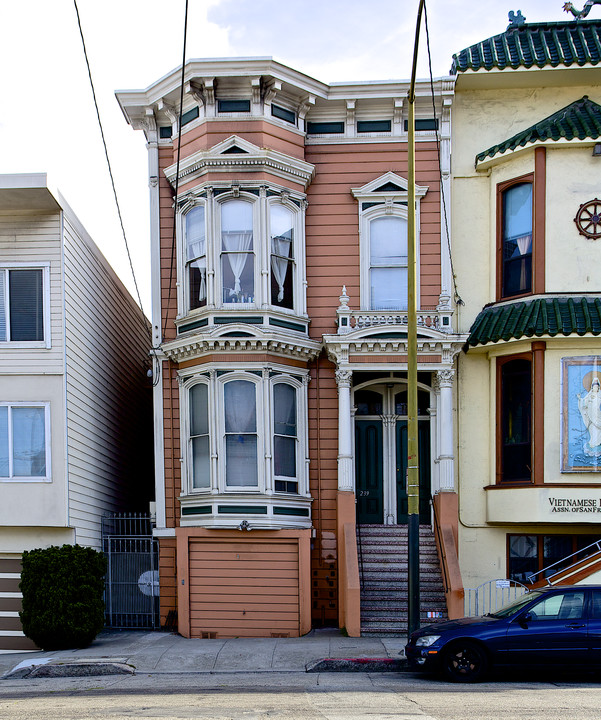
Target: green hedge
[62,589]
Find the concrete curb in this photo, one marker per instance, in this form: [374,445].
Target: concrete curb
[357,665]
[85,668]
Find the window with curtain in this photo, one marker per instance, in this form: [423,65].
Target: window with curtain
[199,451]
[241,438]
[388,263]
[281,222]
[237,256]
[517,239]
[21,305]
[285,435]
[196,257]
[23,442]
[516,421]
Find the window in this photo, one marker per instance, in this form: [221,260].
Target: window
[529,554]
[388,263]
[199,451]
[237,257]
[241,438]
[516,239]
[282,255]
[242,250]
[24,442]
[515,378]
[382,206]
[21,305]
[284,438]
[196,257]
[249,425]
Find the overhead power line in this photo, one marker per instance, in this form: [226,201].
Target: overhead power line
[147,325]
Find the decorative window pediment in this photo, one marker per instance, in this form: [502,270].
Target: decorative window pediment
[387,186]
[238,155]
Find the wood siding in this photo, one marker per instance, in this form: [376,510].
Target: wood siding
[108,395]
[244,588]
[332,223]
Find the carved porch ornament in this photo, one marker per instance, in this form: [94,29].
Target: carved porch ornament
[568,7]
[588,218]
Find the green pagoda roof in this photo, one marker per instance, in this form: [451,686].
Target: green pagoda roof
[580,120]
[537,317]
[534,44]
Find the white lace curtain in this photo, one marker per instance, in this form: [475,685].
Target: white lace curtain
[281,252]
[240,429]
[197,246]
[237,244]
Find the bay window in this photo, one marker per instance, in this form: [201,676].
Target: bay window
[243,248]
[24,441]
[244,433]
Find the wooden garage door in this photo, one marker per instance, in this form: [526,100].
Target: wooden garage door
[244,589]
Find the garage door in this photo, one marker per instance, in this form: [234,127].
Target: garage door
[244,589]
[12,638]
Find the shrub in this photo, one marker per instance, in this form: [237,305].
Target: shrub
[62,589]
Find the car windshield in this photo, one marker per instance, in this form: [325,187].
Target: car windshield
[513,607]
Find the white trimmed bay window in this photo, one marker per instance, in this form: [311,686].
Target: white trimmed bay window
[245,433]
[243,250]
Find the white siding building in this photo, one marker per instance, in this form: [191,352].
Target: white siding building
[75,399]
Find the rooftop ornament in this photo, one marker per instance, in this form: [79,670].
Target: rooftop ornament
[516,20]
[568,7]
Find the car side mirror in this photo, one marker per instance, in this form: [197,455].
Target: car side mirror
[525,619]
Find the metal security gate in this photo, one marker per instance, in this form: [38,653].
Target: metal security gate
[132,579]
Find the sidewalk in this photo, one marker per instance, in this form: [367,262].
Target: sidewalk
[160,652]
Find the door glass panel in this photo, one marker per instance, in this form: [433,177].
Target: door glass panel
[368,402]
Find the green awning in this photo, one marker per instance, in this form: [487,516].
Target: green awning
[580,120]
[537,318]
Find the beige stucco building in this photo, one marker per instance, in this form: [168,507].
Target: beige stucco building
[526,169]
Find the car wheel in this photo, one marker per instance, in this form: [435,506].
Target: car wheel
[465,662]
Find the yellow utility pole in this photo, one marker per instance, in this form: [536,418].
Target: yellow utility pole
[412,428]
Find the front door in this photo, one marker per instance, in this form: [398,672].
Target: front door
[381,453]
[368,471]
[423,439]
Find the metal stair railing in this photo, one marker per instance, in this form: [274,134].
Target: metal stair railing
[492,596]
[583,554]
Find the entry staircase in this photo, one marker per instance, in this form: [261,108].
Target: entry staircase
[382,551]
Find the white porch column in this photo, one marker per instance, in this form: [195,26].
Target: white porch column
[446,464]
[345,431]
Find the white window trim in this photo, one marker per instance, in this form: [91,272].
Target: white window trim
[46,343]
[264,393]
[302,440]
[36,479]
[383,210]
[261,205]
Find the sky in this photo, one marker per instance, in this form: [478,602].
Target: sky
[48,121]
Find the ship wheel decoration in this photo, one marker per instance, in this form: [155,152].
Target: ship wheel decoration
[588,219]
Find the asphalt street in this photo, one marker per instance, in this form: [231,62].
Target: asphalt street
[319,696]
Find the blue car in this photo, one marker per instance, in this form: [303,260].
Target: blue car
[551,626]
